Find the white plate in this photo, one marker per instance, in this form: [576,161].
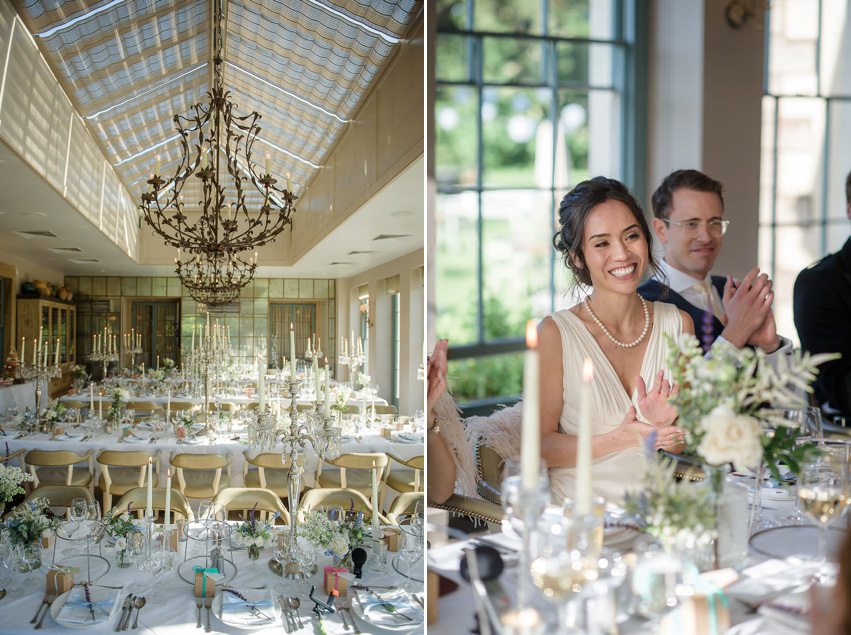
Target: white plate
[397,438]
[69,435]
[59,602]
[136,439]
[274,612]
[372,627]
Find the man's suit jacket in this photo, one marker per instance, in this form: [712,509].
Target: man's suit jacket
[822,310]
[654,291]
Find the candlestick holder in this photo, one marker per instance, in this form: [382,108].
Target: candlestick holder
[294,438]
[208,366]
[352,362]
[40,372]
[133,351]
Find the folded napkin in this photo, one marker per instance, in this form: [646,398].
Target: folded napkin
[132,438]
[389,609]
[789,613]
[773,578]
[193,440]
[248,609]
[77,610]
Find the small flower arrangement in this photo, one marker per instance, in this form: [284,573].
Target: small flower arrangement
[78,373]
[363,380]
[54,410]
[11,478]
[731,396]
[167,366]
[679,514]
[336,531]
[118,398]
[254,534]
[157,375]
[341,402]
[118,527]
[30,521]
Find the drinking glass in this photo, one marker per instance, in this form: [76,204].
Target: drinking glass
[12,559]
[410,551]
[79,510]
[561,573]
[809,419]
[823,495]
[281,554]
[660,583]
[306,559]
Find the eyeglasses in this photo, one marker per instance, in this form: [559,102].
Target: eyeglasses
[715,227]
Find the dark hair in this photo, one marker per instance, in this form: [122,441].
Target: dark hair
[848,188]
[574,210]
[686,180]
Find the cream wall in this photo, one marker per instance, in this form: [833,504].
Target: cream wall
[412,307]
[704,112]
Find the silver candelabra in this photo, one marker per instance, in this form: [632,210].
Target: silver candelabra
[104,358]
[133,351]
[40,372]
[352,362]
[208,363]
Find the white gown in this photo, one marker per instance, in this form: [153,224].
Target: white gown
[614,474]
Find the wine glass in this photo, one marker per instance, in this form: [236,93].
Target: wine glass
[79,509]
[306,560]
[660,583]
[561,573]
[808,419]
[823,494]
[282,551]
[11,558]
[410,551]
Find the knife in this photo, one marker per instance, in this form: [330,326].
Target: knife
[124,608]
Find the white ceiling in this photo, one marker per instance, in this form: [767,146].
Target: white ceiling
[28,203]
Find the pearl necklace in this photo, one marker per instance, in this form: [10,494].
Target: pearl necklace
[610,336]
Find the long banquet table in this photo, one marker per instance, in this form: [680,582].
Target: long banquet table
[176,612]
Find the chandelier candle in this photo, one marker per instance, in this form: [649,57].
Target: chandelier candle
[583,446]
[530,446]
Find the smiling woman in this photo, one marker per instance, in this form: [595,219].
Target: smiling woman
[607,244]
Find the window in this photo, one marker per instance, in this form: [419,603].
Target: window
[363,328]
[303,319]
[4,282]
[395,320]
[531,98]
[158,323]
[805,156]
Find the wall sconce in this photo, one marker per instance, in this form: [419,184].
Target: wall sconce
[737,13]
[364,309]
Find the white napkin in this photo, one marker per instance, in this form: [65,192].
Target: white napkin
[773,578]
[76,609]
[790,613]
[236,610]
[375,612]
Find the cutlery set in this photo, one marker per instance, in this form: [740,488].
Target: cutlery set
[48,600]
[130,602]
[206,603]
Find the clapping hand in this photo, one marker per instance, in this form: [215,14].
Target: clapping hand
[654,405]
[436,376]
[749,319]
[765,336]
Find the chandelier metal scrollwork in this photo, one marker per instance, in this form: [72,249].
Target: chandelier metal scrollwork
[215,279]
[217,143]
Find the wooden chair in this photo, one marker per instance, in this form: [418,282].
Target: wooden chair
[251,406]
[328,497]
[356,472]
[406,503]
[61,496]
[246,498]
[271,472]
[77,407]
[137,499]
[56,467]
[122,471]
[385,410]
[200,475]
[16,459]
[304,407]
[184,405]
[405,479]
[143,410]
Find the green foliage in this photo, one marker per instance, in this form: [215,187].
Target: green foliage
[784,443]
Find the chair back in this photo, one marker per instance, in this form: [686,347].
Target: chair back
[251,406]
[377,461]
[246,498]
[304,407]
[184,405]
[61,495]
[137,498]
[406,504]
[489,468]
[416,463]
[57,458]
[385,410]
[76,406]
[224,406]
[202,462]
[118,458]
[329,497]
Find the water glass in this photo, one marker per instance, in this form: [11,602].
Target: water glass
[377,550]
[410,551]
[659,581]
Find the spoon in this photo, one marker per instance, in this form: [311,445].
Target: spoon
[294,603]
[138,602]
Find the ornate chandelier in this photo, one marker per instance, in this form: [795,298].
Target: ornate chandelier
[216,278]
[217,144]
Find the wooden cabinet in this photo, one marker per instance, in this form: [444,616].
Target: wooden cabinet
[58,319]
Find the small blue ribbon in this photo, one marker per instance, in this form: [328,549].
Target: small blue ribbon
[93,605]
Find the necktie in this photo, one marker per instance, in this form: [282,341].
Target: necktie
[705,288]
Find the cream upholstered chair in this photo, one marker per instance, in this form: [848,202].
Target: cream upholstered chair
[385,410]
[76,406]
[56,467]
[352,411]
[184,405]
[356,470]
[224,406]
[405,479]
[271,472]
[304,407]
[246,498]
[137,499]
[200,475]
[122,471]
[406,503]
[251,406]
[336,497]
[143,409]
[61,495]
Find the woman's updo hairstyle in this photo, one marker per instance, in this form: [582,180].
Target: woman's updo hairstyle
[573,211]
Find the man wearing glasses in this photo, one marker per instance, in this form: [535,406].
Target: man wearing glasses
[689,220]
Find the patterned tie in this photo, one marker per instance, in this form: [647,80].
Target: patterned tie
[705,288]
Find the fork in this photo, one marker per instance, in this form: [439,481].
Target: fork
[198,602]
[346,604]
[286,621]
[38,610]
[208,604]
[51,597]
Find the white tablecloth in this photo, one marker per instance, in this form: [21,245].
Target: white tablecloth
[22,396]
[235,399]
[176,612]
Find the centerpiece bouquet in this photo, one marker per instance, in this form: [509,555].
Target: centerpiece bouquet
[79,376]
[167,367]
[118,399]
[363,380]
[11,478]
[27,524]
[336,531]
[732,401]
[254,534]
[119,526]
[54,411]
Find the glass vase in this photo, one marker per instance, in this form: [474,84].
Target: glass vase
[32,557]
[254,552]
[122,558]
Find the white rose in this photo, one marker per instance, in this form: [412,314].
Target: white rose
[124,517]
[339,544]
[120,543]
[237,539]
[730,438]
[258,541]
